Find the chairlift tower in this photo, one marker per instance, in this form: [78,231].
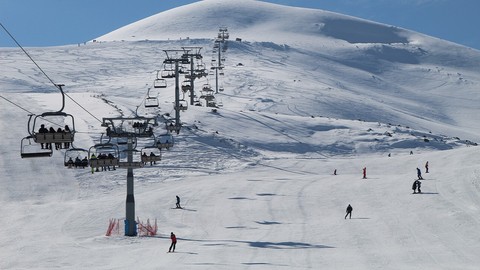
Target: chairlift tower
[177,57]
[192,53]
[220,45]
[216,68]
[143,129]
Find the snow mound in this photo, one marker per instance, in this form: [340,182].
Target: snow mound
[257,21]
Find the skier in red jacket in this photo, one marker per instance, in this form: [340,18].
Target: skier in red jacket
[174,242]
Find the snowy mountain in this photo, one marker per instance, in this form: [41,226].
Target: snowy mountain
[396,70]
[307,92]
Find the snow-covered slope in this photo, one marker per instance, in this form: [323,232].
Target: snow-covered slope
[333,65]
[316,91]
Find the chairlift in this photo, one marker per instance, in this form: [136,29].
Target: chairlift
[103,156]
[76,158]
[160,83]
[167,66]
[172,126]
[141,127]
[207,88]
[165,141]
[122,141]
[151,155]
[30,149]
[50,136]
[182,105]
[201,73]
[168,74]
[186,85]
[183,70]
[134,164]
[212,103]
[39,133]
[151,102]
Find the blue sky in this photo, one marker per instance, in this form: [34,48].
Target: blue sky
[60,22]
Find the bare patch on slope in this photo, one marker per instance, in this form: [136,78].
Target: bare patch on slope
[362,31]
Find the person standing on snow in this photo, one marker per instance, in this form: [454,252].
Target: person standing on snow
[419,184]
[174,242]
[364,172]
[426,167]
[178,202]
[414,186]
[349,211]
[419,174]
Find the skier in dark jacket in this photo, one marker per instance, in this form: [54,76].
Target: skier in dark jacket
[178,202]
[419,174]
[416,186]
[349,211]
[174,242]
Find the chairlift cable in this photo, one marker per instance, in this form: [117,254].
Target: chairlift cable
[16,104]
[53,123]
[30,113]
[54,84]
[83,108]
[20,46]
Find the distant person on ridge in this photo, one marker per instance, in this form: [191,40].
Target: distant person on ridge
[349,211]
[426,167]
[364,172]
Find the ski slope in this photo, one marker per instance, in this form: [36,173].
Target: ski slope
[256,176]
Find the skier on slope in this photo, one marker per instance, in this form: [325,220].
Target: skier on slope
[178,202]
[174,242]
[426,167]
[349,211]
[419,185]
[419,174]
[416,186]
[364,172]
